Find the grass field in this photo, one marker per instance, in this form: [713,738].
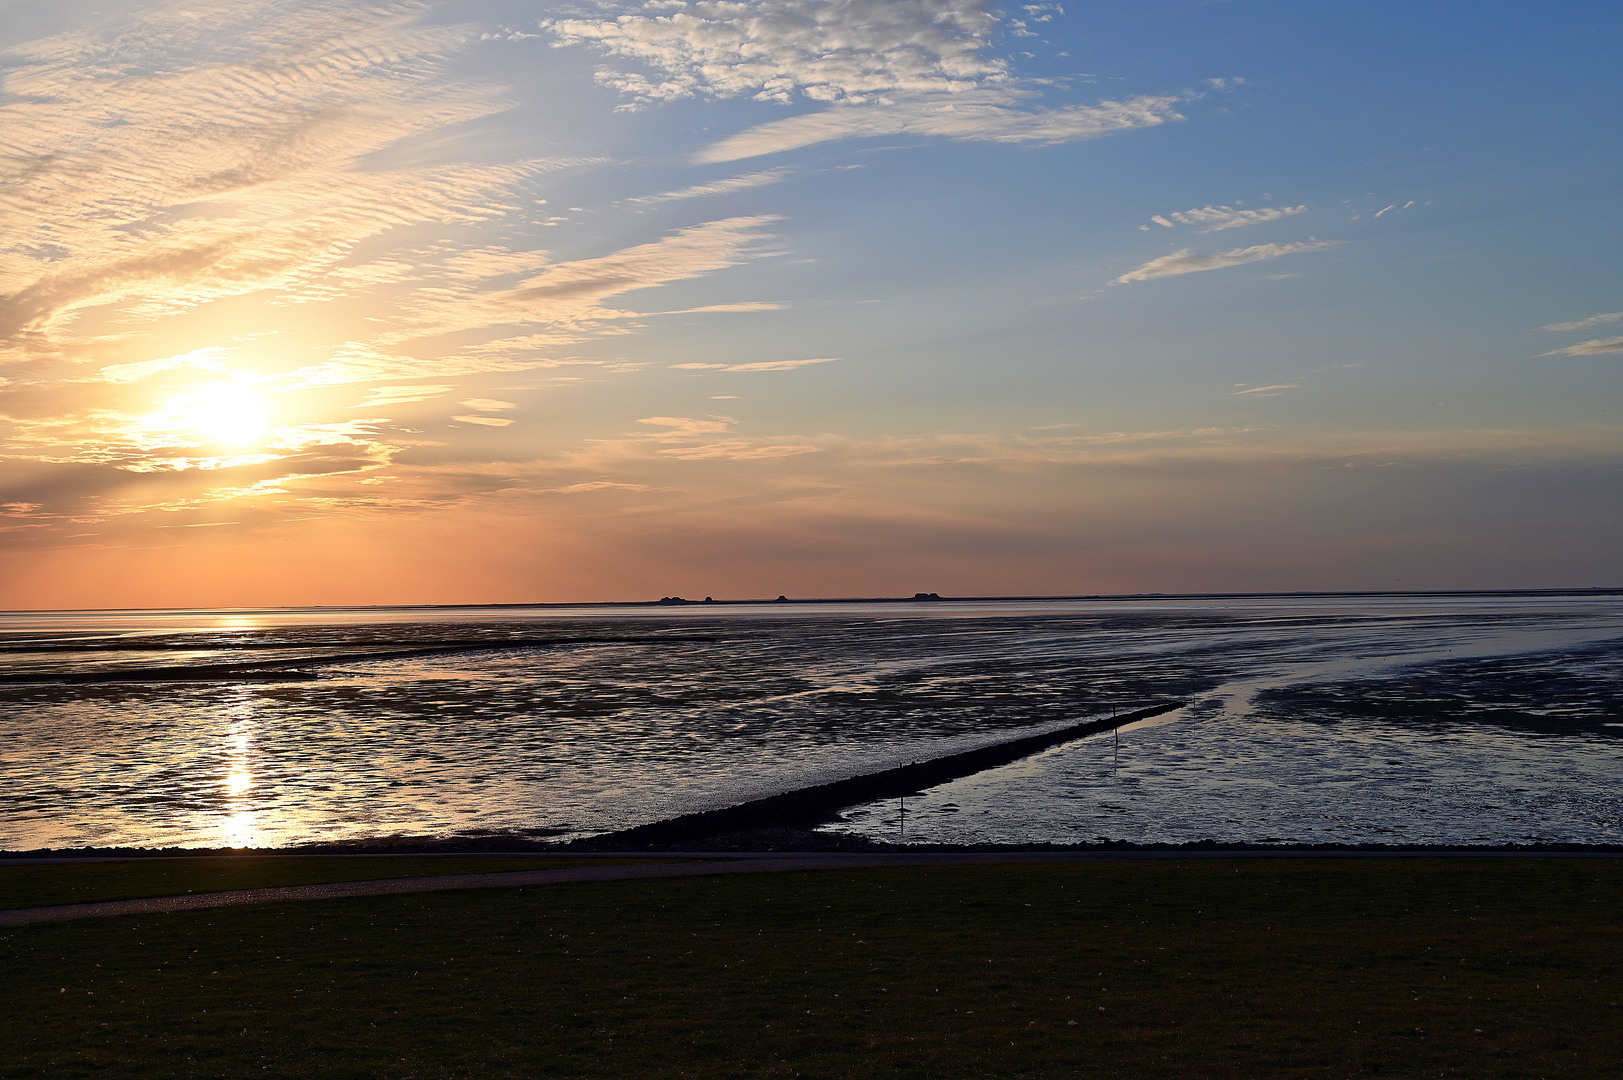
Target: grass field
[1195,968]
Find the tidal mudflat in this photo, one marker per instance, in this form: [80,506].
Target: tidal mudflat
[1473,719]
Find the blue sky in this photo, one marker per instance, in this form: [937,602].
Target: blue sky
[499,301]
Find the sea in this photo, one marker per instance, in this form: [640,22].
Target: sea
[1488,718]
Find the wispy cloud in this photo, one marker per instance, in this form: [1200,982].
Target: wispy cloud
[233,131]
[363,362]
[782,365]
[685,438]
[593,485]
[484,421]
[1597,347]
[568,297]
[1217,218]
[1184,262]
[384,396]
[1584,324]
[763,365]
[183,153]
[888,67]
[963,118]
[715,187]
[1266,391]
[678,426]
[211,358]
[780,50]
[754,305]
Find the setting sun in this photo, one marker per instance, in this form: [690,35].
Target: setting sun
[227,412]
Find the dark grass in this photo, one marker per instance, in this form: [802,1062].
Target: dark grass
[77,883]
[1198,968]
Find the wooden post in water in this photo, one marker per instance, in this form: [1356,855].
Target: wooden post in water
[1115,734]
[904,819]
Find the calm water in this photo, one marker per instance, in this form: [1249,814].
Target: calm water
[1476,719]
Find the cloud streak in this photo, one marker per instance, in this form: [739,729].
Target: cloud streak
[709,309]
[1584,324]
[484,421]
[1217,218]
[715,187]
[233,131]
[887,68]
[1596,347]
[178,157]
[385,396]
[1267,391]
[1185,262]
[568,297]
[763,365]
[970,119]
[782,50]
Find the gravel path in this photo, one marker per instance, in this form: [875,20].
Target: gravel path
[505,879]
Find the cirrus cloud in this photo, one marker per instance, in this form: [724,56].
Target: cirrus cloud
[1217,218]
[984,117]
[778,50]
[888,67]
[715,187]
[1185,262]
[297,160]
[483,421]
[1597,347]
[1584,324]
[761,365]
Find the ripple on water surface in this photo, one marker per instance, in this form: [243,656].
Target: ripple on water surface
[669,713]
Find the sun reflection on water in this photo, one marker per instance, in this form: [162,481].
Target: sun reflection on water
[237,622]
[239,830]
[239,825]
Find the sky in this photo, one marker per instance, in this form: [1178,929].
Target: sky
[490,301]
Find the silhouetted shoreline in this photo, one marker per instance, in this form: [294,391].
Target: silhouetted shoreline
[930,598]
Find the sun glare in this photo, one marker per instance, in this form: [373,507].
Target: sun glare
[237,781]
[227,412]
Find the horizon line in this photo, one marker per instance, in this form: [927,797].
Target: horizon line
[916,598]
